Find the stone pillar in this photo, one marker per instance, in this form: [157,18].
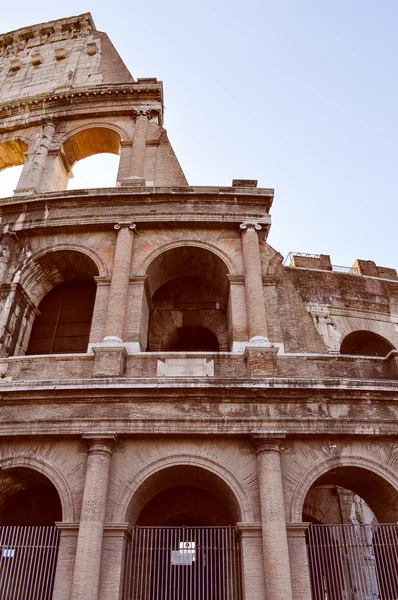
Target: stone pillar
[276,555]
[124,162]
[115,555]
[257,323]
[137,162]
[65,561]
[86,575]
[23,186]
[251,551]
[114,326]
[32,177]
[137,315]
[298,556]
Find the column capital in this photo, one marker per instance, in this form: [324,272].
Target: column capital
[251,226]
[100,442]
[268,441]
[248,530]
[142,113]
[297,529]
[131,226]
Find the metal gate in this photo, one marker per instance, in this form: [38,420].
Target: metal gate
[353,562]
[28,558]
[182,563]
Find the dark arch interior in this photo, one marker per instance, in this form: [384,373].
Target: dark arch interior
[365,343]
[28,498]
[191,338]
[185,505]
[378,494]
[188,314]
[184,495]
[63,325]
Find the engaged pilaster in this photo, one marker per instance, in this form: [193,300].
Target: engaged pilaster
[86,574]
[137,162]
[111,354]
[276,555]
[34,168]
[257,323]
[114,327]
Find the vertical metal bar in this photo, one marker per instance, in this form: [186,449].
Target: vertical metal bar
[159,538]
[36,558]
[312,532]
[136,559]
[24,533]
[388,566]
[52,563]
[11,534]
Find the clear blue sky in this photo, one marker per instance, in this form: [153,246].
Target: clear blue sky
[299,94]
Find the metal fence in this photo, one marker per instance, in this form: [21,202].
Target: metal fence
[182,563]
[353,562]
[28,559]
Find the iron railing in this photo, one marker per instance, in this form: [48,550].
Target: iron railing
[182,563]
[28,559]
[353,562]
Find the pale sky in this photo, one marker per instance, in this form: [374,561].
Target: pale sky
[301,95]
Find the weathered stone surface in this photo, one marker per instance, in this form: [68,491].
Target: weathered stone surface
[214,389]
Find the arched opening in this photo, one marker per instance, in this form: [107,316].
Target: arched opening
[29,540]
[28,498]
[92,155]
[185,537]
[98,171]
[365,343]
[353,537]
[12,158]
[64,323]
[64,280]
[189,289]
[169,495]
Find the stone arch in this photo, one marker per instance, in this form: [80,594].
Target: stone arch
[98,124]
[181,243]
[127,509]
[366,343]
[36,280]
[40,274]
[12,152]
[89,140]
[189,289]
[53,475]
[376,473]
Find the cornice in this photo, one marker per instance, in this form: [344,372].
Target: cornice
[118,94]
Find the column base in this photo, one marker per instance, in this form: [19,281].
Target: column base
[261,361]
[30,191]
[110,360]
[133,182]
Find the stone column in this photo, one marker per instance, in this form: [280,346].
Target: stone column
[275,547]
[65,561]
[137,162]
[86,575]
[138,311]
[23,186]
[257,323]
[298,556]
[117,536]
[39,160]
[114,326]
[251,551]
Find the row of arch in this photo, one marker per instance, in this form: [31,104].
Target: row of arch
[188,289]
[77,146]
[188,307]
[190,492]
